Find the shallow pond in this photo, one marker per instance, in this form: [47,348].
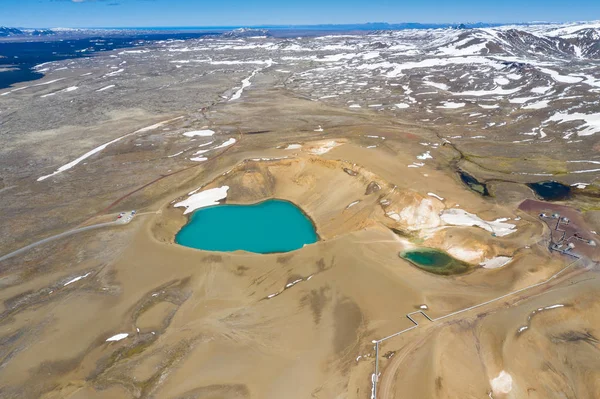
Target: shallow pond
[434,261]
[550,190]
[473,183]
[266,227]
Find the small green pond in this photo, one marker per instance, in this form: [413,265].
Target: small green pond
[266,227]
[435,261]
[474,184]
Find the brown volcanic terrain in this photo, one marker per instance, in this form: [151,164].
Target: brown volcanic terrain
[296,325]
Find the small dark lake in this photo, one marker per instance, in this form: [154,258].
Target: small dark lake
[550,190]
[473,183]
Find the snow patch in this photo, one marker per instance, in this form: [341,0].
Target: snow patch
[466,255]
[106,88]
[451,105]
[203,199]
[201,133]
[421,216]
[435,196]
[425,155]
[502,384]
[117,337]
[496,262]
[325,148]
[227,143]
[459,217]
[76,279]
[591,122]
[352,204]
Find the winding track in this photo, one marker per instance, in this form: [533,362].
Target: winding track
[64,234]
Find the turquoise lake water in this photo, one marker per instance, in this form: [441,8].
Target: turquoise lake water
[270,226]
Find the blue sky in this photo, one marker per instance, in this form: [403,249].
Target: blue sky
[130,13]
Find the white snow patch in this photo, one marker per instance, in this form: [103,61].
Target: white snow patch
[560,78]
[496,262]
[201,133]
[100,148]
[440,86]
[246,82]
[538,105]
[203,199]
[425,155]
[114,73]
[81,158]
[76,279]
[502,384]
[459,217]
[106,88]
[293,283]
[521,100]
[352,204]
[489,106]
[451,105]
[117,337]
[68,89]
[227,143]
[416,165]
[580,186]
[435,196]
[591,122]
[293,147]
[541,89]
[552,307]
[325,148]
[421,216]
[464,254]
[498,91]
[393,215]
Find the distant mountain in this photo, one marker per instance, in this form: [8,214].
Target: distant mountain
[247,32]
[42,32]
[6,32]
[565,41]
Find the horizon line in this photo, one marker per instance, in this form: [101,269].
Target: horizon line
[281,26]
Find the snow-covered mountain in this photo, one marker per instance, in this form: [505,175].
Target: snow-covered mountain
[7,32]
[564,41]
